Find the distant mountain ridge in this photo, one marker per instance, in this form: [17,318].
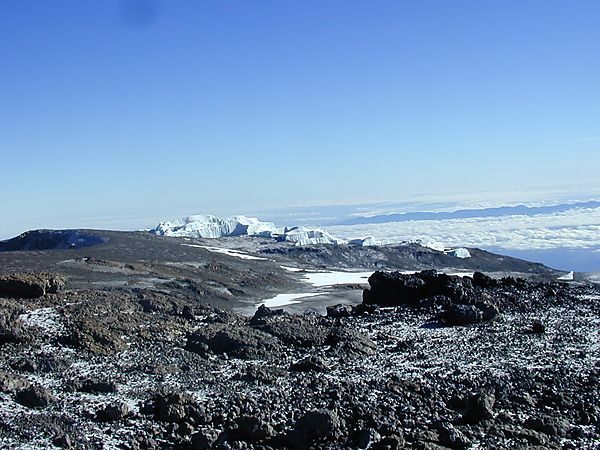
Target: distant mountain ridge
[501,211]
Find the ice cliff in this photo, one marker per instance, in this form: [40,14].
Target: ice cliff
[207,226]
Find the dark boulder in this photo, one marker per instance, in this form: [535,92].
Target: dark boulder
[174,407]
[11,330]
[347,341]
[96,386]
[479,406]
[237,340]
[460,314]
[551,426]
[35,396]
[250,429]
[538,327]
[204,439]
[313,427]
[483,281]
[396,288]
[337,311]
[260,374]
[296,330]
[263,312]
[309,364]
[113,412]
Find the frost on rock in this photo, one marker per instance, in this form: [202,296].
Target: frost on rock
[309,236]
[460,253]
[366,242]
[215,227]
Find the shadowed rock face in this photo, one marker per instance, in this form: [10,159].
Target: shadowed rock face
[30,285]
[458,300]
[51,240]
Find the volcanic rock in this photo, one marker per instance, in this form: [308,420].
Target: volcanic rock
[35,396]
[30,285]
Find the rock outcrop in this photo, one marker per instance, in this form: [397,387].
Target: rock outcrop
[30,285]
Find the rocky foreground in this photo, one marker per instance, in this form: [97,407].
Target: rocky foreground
[427,361]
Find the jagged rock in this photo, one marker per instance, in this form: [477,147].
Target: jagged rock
[552,426]
[96,386]
[264,312]
[11,330]
[35,396]
[204,439]
[30,285]
[366,438]
[63,440]
[451,437]
[348,341]
[42,363]
[479,407]
[483,281]
[462,315]
[113,412]
[296,330]
[172,407]
[250,429]
[391,442]
[337,311]
[260,374]
[396,288]
[309,364]
[236,340]
[313,427]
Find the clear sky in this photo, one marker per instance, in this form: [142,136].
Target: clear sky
[124,109]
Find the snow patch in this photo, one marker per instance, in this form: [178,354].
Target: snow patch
[331,278]
[286,299]
[567,277]
[227,251]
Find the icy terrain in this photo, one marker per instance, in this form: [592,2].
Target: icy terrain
[208,226]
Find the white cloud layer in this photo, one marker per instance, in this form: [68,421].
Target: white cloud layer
[578,228]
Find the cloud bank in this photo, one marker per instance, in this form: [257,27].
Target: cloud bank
[578,228]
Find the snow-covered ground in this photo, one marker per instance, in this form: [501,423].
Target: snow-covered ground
[227,251]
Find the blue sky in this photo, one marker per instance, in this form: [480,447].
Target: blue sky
[116,110]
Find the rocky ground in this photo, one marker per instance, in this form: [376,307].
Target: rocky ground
[447,362]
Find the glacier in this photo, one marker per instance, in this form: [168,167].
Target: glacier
[309,236]
[208,226]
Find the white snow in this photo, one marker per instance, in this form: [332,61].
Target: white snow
[309,236]
[286,299]
[432,245]
[567,277]
[331,278]
[460,253]
[227,251]
[292,269]
[208,226]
